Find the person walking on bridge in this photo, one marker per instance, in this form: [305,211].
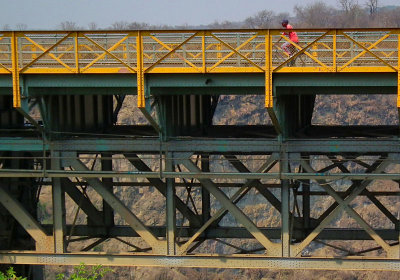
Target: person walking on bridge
[288,47]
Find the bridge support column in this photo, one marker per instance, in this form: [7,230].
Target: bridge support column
[171,209]
[106,165]
[58,196]
[285,193]
[205,194]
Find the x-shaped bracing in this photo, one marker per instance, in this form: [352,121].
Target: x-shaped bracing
[137,225]
[161,187]
[343,204]
[272,248]
[257,184]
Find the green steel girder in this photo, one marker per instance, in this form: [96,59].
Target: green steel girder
[292,116]
[5,84]
[42,91]
[217,146]
[224,232]
[211,83]
[81,81]
[325,80]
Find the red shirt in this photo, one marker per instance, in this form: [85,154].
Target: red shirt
[292,35]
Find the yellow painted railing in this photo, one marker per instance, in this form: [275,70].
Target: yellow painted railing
[185,51]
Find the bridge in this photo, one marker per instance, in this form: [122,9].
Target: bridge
[237,195]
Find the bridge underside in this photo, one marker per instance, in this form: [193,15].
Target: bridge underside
[169,185]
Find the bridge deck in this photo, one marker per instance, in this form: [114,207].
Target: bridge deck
[196,51]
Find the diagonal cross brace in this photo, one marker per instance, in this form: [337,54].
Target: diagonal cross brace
[271,198]
[25,219]
[272,248]
[345,206]
[365,51]
[250,183]
[233,51]
[108,52]
[302,50]
[368,51]
[372,197]
[161,187]
[355,185]
[45,52]
[267,193]
[237,52]
[222,211]
[171,49]
[341,205]
[171,52]
[120,208]
[83,202]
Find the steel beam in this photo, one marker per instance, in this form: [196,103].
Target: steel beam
[170,207]
[260,262]
[227,232]
[106,165]
[237,146]
[205,194]
[58,206]
[285,194]
[197,175]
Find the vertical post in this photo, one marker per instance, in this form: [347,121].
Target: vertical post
[76,53]
[284,166]
[334,65]
[203,49]
[171,210]
[58,206]
[205,194]
[306,206]
[140,71]
[106,165]
[268,70]
[397,227]
[269,102]
[398,74]
[15,71]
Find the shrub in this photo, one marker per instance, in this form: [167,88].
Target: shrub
[82,272]
[10,275]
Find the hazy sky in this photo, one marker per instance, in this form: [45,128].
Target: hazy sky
[45,14]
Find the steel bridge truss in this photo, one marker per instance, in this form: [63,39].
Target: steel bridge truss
[182,191]
[205,197]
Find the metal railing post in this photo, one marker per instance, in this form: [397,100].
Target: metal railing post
[334,52]
[15,71]
[76,53]
[140,71]
[268,70]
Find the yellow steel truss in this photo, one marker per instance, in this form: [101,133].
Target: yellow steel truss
[187,51]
